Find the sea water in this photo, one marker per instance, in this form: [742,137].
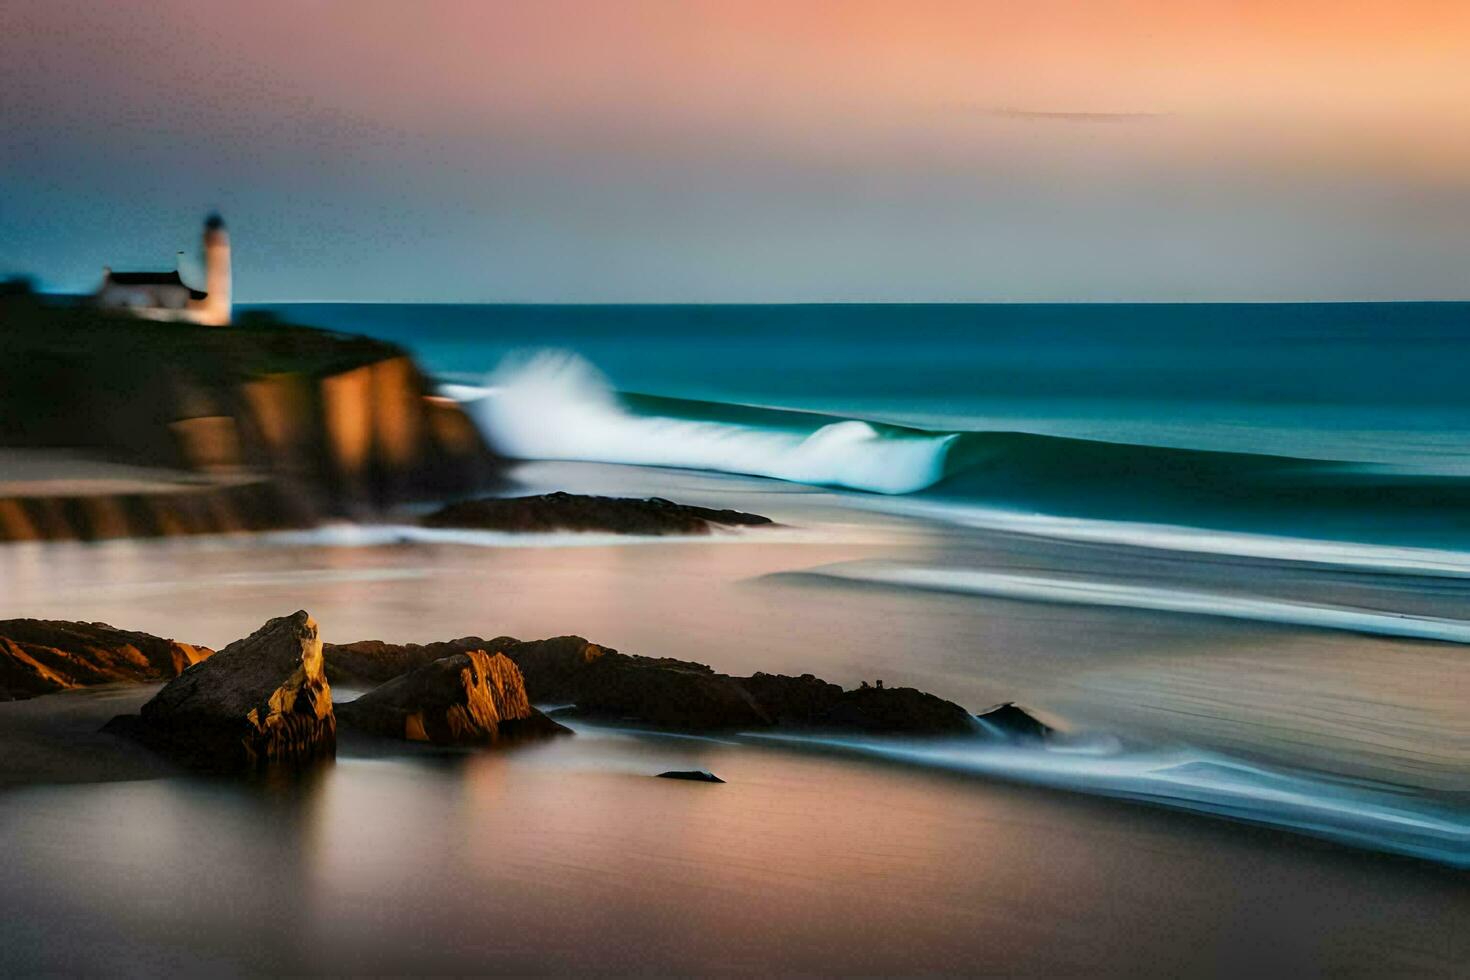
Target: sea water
[1333,421]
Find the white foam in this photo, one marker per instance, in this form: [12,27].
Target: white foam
[1168,537]
[557,406]
[1352,812]
[1007,585]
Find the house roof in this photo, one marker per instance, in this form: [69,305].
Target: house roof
[170,278]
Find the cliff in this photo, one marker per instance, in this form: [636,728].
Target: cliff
[317,422]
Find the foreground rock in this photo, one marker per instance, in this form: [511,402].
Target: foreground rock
[261,700]
[40,656]
[578,512]
[598,682]
[694,775]
[471,698]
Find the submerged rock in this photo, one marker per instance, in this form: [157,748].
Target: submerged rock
[580,512]
[40,656]
[261,700]
[694,775]
[462,699]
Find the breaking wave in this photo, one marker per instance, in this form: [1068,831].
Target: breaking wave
[557,406]
[554,405]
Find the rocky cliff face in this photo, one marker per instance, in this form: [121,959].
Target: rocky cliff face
[261,700]
[39,656]
[332,423]
[246,505]
[470,698]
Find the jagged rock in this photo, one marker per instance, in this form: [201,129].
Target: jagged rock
[1009,721]
[39,656]
[579,512]
[694,775]
[368,663]
[462,699]
[260,700]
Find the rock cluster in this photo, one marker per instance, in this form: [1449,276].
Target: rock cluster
[267,699]
[462,699]
[579,512]
[261,700]
[39,656]
[595,681]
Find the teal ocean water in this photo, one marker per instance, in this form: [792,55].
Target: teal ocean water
[1336,422]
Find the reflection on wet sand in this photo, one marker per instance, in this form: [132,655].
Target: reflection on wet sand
[570,856]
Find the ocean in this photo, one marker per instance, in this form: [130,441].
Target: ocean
[1343,422]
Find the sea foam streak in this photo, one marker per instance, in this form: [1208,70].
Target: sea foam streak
[557,406]
[1351,812]
[1007,585]
[1403,559]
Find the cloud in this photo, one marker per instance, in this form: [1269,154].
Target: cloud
[1041,115]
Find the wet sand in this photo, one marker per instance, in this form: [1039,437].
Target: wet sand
[570,856]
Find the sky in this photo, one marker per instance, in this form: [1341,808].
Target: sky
[746,151]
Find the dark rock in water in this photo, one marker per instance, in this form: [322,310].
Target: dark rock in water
[663,692]
[372,662]
[810,702]
[600,681]
[579,512]
[259,701]
[39,656]
[471,698]
[694,775]
[368,663]
[793,701]
[1009,721]
[659,692]
[896,711]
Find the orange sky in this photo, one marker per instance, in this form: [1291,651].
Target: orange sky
[1078,103]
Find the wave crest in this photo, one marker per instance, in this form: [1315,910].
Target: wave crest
[555,405]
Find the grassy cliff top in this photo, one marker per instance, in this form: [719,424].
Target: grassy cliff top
[34,329]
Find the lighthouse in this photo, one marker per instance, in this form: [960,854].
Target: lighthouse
[166,296]
[214,308]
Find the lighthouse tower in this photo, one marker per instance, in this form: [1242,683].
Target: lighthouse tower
[214,308]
